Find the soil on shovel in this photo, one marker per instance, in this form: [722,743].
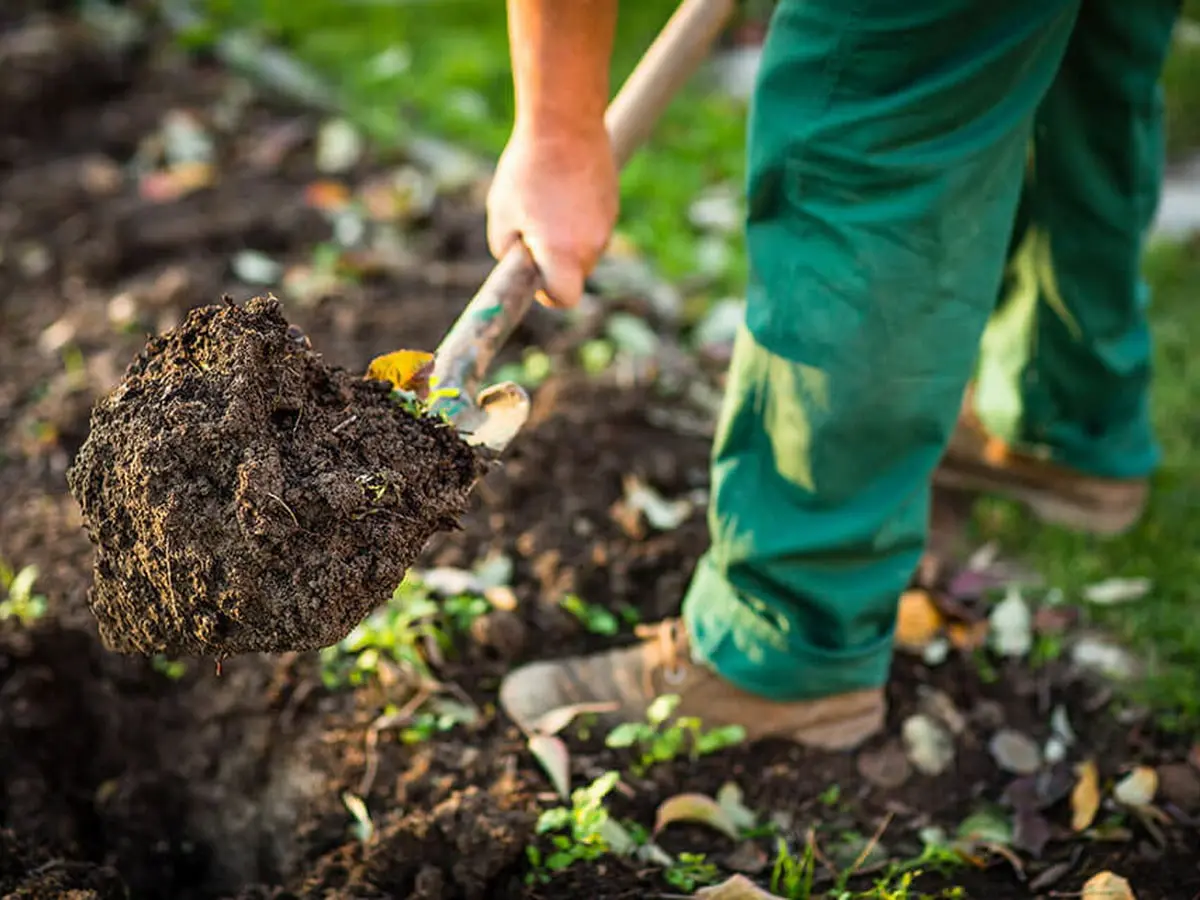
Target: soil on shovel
[243,496]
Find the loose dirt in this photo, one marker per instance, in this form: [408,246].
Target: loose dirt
[121,778]
[246,497]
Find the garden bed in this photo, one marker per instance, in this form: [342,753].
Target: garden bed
[272,776]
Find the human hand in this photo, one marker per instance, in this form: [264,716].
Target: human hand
[558,194]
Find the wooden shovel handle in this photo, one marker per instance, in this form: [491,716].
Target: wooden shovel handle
[507,294]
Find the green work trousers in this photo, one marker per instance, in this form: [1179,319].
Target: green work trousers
[935,189]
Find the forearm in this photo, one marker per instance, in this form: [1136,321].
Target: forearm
[561,51]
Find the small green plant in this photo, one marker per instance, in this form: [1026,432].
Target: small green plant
[792,876]
[595,619]
[401,634]
[20,602]
[659,742]
[173,669]
[830,796]
[577,833]
[691,871]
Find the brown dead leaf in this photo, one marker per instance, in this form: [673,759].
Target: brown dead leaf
[738,887]
[555,759]
[747,857]
[698,808]
[1085,797]
[1107,886]
[886,767]
[918,621]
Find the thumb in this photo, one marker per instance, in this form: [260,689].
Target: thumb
[562,276]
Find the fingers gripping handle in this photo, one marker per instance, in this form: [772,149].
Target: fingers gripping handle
[463,358]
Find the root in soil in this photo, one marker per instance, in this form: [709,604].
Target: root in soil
[243,496]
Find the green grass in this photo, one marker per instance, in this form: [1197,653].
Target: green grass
[442,67]
[1162,627]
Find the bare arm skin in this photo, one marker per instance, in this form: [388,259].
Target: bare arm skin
[555,186]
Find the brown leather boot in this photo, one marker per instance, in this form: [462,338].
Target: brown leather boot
[631,678]
[977,461]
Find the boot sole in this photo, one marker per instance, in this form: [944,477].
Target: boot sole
[1052,509]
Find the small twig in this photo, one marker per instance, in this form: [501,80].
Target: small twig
[340,425]
[279,500]
[871,844]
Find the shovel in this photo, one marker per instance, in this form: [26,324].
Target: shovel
[494,416]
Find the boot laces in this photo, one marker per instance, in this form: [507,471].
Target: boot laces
[673,648]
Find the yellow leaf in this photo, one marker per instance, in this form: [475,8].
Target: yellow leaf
[696,808]
[968,636]
[918,621]
[407,370]
[1137,788]
[1107,886]
[1085,797]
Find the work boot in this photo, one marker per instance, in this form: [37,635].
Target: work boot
[980,462]
[631,678]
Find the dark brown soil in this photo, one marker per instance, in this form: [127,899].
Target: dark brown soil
[245,497]
[119,778]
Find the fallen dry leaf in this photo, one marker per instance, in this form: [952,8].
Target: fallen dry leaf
[747,857]
[927,743]
[1138,788]
[557,719]
[176,182]
[886,767]
[697,808]
[918,621]
[1011,625]
[737,887]
[967,636]
[1107,886]
[1179,783]
[327,196]
[1015,752]
[1085,797]
[552,753]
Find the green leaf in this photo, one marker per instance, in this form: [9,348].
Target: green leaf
[625,735]
[553,820]
[661,709]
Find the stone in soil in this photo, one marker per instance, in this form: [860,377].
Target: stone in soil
[243,496]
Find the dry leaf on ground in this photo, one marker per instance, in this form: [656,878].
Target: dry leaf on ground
[739,887]
[1085,797]
[929,746]
[1107,886]
[557,719]
[918,621]
[1138,788]
[1015,752]
[697,808]
[555,759]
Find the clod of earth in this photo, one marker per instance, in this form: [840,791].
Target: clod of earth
[245,497]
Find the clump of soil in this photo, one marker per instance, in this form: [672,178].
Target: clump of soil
[243,496]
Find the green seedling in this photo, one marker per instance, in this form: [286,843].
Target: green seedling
[20,602]
[577,833]
[691,871]
[659,742]
[595,619]
[173,669]
[402,635]
[792,876]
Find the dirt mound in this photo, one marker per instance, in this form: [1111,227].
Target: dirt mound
[243,496]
